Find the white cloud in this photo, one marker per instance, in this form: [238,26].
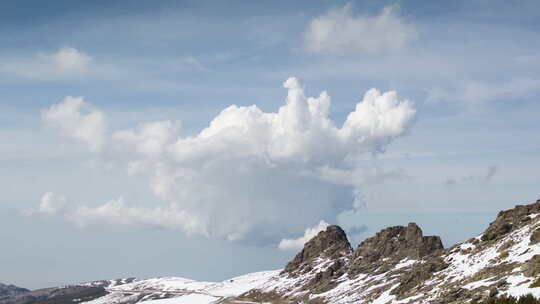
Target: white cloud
[474,93]
[66,63]
[51,204]
[117,212]
[249,172]
[69,59]
[339,32]
[298,244]
[79,120]
[150,139]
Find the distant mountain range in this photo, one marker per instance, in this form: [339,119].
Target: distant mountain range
[10,290]
[397,265]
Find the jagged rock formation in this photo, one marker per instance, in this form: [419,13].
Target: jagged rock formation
[400,265]
[398,242]
[331,243]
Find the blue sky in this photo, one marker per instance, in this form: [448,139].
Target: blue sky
[122,182]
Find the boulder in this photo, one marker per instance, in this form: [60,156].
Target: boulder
[531,268]
[535,237]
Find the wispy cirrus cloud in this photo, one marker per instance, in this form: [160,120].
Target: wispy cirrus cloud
[477,92]
[65,63]
[490,173]
[340,31]
[51,204]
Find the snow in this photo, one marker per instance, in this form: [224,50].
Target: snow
[464,265]
[464,261]
[241,284]
[466,246]
[186,291]
[519,286]
[163,284]
[187,299]
[385,297]
[480,283]
[404,263]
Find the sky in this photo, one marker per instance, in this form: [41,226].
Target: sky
[206,140]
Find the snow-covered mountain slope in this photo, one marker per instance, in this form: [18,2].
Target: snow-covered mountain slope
[397,265]
[503,260]
[180,290]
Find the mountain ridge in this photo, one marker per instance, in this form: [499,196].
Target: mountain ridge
[396,265]
[10,290]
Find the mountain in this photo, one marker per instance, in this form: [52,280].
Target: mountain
[10,290]
[396,265]
[63,295]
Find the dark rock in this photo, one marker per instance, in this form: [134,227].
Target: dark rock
[418,274]
[531,268]
[535,237]
[501,283]
[398,242]
[493,291]
[331,243]
[333,270]
[477,297]
[455,294]
[508,220]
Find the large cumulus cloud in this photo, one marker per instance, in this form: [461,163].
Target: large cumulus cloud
[248,173]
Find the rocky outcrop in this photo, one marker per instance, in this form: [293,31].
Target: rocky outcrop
[398,242]
[417,275]
[331,243]
[328,257]
[509,220]
[400,263]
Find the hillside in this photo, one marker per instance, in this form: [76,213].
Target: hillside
[397,265]
[7,291]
